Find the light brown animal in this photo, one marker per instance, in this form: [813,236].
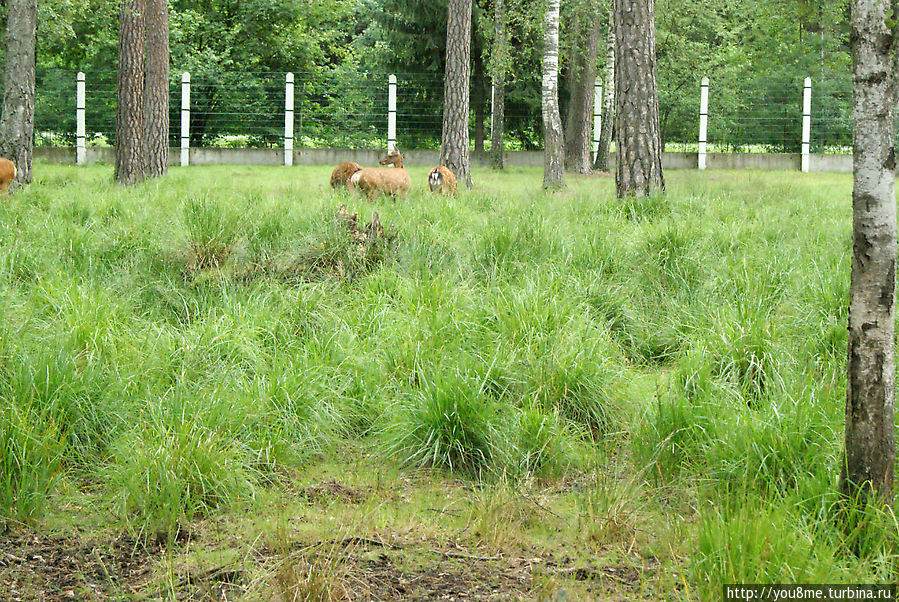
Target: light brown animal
[382,180]
[7,174]
[442,180]
[341,174]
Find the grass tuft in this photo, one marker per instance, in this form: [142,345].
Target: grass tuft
[449,423]
[212,231]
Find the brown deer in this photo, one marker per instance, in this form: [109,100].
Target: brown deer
[442,180]
[390,181]
[341,174]
[7,174]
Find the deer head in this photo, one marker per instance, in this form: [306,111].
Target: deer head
[393,158]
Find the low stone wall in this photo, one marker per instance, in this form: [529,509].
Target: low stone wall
[838,163]
[333,156]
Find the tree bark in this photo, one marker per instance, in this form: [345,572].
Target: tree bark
[870,449]
[17,123]
[129,134]
[553,159]
[500,60]
[454,152]
[156,89]
[579,127]
[639,156]
[479,98]
[603,159]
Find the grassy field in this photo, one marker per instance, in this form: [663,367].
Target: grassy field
[208,391]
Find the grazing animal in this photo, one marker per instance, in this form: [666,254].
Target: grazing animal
[442,180]
[382,180]
[7,174]
[341,174]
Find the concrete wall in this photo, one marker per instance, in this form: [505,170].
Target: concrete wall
[333,156]
[772,161]
[838,163]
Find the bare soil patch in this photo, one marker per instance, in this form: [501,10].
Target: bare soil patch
[48,568]
[330,491]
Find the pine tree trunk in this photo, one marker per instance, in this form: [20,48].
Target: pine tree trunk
[639,156]
[603,159]
[156,89]
[870,448]
[17,123]
[454,152]
[130,85]
[578,135]
[553,159]
[498,100]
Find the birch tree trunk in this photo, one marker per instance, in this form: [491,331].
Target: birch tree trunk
[639,146]
[129,129]
[156,89]
[579,129]
[500,63]
[602,162]
[454,152]
[553,160]
[17,123]
[870,449]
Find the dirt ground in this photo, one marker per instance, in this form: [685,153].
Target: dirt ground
[87,565]
[35,567]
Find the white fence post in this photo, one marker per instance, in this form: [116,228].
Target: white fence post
[703,120]
[391,113]
[185,119]
[288,121]
[806,123]
[80,129]
[597,115]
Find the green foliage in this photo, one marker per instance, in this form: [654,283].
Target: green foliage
[755,53]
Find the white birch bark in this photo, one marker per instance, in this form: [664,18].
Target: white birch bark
[553,157]
[602,162]
[870,447]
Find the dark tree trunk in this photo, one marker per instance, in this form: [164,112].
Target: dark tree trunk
[500,61]
[870,449]
[129,133]
[638,140]
[156,89]
[603,159]
[454,152]
[17,123]
[479,98]
[553,152]
[579,130]
[574,37]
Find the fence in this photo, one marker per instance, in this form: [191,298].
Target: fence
[346,109]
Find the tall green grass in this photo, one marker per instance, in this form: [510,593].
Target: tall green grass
[186,341]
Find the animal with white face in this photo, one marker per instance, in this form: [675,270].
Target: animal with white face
[442,181]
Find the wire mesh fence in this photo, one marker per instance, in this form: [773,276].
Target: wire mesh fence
[347,109]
